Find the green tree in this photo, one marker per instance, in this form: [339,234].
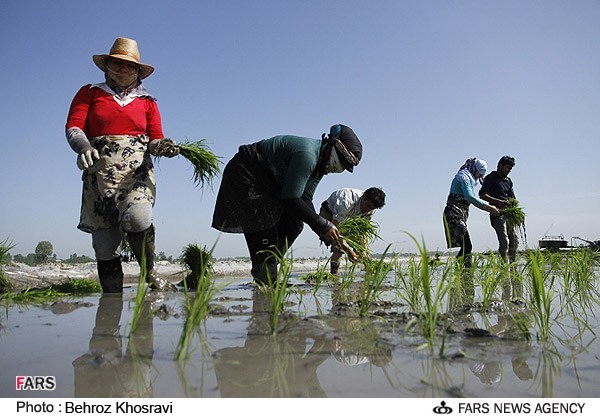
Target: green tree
[76,259]
[43,250]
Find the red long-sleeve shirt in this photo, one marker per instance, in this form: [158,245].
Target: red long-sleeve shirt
[96,113]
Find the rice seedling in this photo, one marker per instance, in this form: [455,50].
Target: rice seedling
[140,294]
[410,289]
[372,283]
[492,274]
[579,296]
[198,307]
[432,296]
[52,292]
[515,217]
[317,278]
[359,232]
[78,287]
[5,247]
[460,282]
[346,279]
[277,291]
[205,164]
[541,294]
[197,260]
[579,281]
[32,296]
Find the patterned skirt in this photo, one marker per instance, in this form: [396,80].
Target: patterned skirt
[456,214]
[123,176]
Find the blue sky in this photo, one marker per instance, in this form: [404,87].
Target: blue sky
[425,85]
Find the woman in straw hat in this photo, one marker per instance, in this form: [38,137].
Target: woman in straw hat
[113,127]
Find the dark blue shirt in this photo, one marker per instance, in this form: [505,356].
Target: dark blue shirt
[497,187]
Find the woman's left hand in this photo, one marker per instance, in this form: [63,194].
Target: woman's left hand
[163,147]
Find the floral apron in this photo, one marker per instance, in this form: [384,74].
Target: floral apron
[123,176]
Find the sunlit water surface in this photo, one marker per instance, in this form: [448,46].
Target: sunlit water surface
[323,349]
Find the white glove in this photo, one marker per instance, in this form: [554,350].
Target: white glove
[87,158]
[163,147]
[86,154]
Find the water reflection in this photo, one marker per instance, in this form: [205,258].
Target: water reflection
[267,365]
[510,325]
[105,370]
[512,284]
[286,364]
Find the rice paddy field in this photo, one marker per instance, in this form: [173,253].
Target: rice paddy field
[419,326]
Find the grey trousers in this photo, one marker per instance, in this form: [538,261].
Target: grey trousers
[507,238]
[107,242]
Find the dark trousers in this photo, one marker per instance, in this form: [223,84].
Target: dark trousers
[262,244]
[465,250]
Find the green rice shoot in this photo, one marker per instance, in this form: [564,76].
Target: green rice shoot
[197,260]
[319,276]
[515,217]
[78,287]
[53,292]
[359,232]
[5,247]
[197,307]
[204,162]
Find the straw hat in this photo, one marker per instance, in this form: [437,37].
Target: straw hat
[124,49]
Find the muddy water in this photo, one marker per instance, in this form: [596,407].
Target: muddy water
[323,350]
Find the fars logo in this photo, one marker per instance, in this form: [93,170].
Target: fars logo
[35,383]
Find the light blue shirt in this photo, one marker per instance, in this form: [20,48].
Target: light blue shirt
[463,184]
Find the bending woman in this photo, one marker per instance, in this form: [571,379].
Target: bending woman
[267,190]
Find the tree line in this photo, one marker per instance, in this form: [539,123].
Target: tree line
[44,253]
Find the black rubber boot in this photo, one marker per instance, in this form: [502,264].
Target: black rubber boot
[264,271]
[110,273]
[142,246]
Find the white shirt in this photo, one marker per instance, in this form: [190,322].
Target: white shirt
[345,203]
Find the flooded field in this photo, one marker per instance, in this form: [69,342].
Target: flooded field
[494,334]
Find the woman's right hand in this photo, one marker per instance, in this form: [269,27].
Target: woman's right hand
[87,158]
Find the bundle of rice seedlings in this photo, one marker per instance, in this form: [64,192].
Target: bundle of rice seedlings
[32,296]
[198,261]
[359,232]
[513,213]
[319,277]
[204,162]
[514,216]
[78,286]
